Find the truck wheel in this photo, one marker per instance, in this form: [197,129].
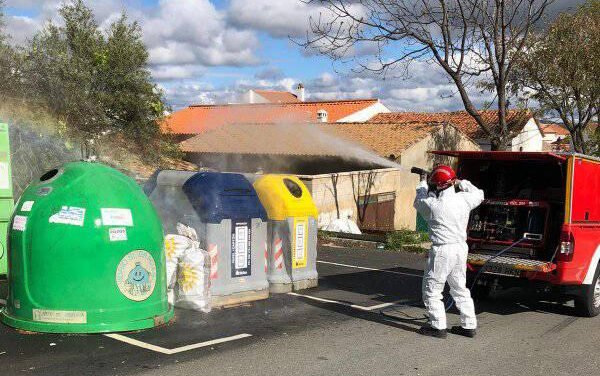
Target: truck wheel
[478,291]
[588,303]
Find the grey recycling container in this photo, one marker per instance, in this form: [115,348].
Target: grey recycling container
[231,224]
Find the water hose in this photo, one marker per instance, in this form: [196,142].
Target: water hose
[482,269]
[479,272]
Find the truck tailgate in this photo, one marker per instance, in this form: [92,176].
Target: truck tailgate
[511,266]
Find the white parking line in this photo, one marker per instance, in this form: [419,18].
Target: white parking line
[162,350]
[371,269]
[355,306]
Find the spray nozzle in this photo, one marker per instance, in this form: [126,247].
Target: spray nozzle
[419,171]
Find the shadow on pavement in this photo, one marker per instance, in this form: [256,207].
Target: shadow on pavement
[411,324]
[385,287]
[381,287]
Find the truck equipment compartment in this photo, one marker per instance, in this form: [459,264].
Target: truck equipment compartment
[525,199]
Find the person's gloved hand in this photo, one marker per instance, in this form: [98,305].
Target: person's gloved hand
[457,184]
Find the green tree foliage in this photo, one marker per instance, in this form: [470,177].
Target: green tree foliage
[561,71]
[96,83]
[9,63]
[595,139]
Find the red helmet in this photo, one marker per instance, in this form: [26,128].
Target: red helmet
[442,177]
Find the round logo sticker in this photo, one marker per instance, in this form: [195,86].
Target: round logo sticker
[136,275]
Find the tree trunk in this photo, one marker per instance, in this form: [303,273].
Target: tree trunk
[578,140]
[334,182]
[501,145]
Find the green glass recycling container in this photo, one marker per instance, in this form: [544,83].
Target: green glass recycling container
[6,194]
[85,255]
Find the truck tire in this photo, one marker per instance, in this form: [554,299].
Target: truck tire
[587,304]
[478,292]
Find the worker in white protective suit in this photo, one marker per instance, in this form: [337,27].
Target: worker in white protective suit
[445,203]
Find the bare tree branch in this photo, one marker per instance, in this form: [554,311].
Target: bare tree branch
[466,38]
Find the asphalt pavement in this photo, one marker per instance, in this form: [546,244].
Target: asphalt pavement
[360,320]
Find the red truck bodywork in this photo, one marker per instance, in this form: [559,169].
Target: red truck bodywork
[581,223]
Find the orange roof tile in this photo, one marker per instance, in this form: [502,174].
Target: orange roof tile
[200,118]
[554,128]
[335,139]
[516,119]
[277,96]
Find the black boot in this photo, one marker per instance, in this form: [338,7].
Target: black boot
[432,332]
[463,332]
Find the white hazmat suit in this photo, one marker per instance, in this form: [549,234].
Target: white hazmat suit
[447,215]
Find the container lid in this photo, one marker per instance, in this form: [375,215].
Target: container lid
[216,196]
[285,196]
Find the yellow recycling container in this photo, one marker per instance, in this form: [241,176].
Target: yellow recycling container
[292,249]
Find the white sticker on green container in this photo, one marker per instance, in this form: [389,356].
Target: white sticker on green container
[117,234]
[60,317]
[116,217]
[69,215]
[4,175]
[27,205]
[19,223]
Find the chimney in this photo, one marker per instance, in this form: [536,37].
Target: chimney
[300,92]
[322,116]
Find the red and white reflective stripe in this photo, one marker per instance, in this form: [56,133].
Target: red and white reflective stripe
[266,258]
[278,254]
[213,252]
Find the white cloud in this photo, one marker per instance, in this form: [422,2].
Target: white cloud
[194,31]
[279,18]
[176,31]
[269,73]
[21,28]
[187,37]
[176,72]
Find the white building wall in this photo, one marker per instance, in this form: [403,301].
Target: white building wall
[365,114]
[551,137]
[252,97]
[530,138]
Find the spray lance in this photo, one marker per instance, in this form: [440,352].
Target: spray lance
[419,171]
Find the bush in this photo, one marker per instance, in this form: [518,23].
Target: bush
[401,239]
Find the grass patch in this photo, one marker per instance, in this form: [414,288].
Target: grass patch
[323,235]
[407,240]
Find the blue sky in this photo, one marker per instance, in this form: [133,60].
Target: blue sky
[211,51]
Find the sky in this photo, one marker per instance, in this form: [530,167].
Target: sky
[211,51]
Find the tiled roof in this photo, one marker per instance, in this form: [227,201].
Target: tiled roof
[337,139]
[200,118]
[277,96]
[516,120]
[554,128]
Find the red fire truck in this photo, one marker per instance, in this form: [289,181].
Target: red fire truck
[547,207]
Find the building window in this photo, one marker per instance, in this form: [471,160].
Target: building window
[322,116]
